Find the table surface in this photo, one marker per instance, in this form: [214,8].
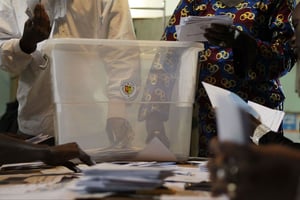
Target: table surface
[42,183]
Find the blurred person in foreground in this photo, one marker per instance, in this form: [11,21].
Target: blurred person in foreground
[248,172]
[25,24]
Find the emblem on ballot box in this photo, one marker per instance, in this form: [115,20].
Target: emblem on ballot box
[128,88]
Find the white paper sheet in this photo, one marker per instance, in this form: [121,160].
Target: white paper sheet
[192,28]
[230,121]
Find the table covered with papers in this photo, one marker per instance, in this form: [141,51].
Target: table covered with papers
[123,180]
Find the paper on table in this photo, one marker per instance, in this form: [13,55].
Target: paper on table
[110,169]
[117,178]
[192,197]
[155,150]
[192,28]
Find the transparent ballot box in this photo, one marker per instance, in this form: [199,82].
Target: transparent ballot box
[124,99]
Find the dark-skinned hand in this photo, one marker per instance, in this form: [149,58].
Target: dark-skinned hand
[243,45]
[36,29]
[120,132]
[62,154]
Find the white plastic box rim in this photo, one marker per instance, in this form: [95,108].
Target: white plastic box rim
[118,42]
[50,44]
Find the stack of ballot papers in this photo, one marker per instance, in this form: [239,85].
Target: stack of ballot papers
[192,28]
[109,177]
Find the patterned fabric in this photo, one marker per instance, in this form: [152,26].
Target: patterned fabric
[159,84]
[266,20]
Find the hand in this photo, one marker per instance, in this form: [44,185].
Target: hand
[62,154]
[228,36]
[244,46]
[246,172]
[220,35]
[120,132]
[155,128]
[36,29]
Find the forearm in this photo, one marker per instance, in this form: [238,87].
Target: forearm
[120,26]
[279,56]
[15,151]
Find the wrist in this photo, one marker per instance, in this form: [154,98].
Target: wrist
[26,47]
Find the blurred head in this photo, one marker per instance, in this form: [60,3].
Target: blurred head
[296,24]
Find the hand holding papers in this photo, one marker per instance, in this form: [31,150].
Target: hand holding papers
[192,28]
[230,119]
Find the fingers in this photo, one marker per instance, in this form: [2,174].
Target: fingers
[71,166]
[41,22]
[29,24]
[220,34]
[40,12]
[85,158]
[73,150]
[220,28]
[62,154]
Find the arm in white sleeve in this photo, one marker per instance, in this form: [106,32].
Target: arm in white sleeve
[12,20]
[116,21]
[123,67]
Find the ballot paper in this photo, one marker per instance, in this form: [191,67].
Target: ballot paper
[268,116]
[229,107]
[108,177]
[192,28]
[155,150]
[39,138]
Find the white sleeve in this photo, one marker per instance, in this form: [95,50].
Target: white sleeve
[121,25]
[123,67]
[12,58]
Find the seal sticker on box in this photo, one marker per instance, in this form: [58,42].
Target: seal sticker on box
[128,88]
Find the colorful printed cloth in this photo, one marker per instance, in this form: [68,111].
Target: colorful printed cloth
[266,20]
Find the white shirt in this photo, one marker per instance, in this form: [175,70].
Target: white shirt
[70,18]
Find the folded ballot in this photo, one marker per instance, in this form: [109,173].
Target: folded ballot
[192,28]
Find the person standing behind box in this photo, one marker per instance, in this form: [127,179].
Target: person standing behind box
[108,19]
[247,58]
[257,172]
